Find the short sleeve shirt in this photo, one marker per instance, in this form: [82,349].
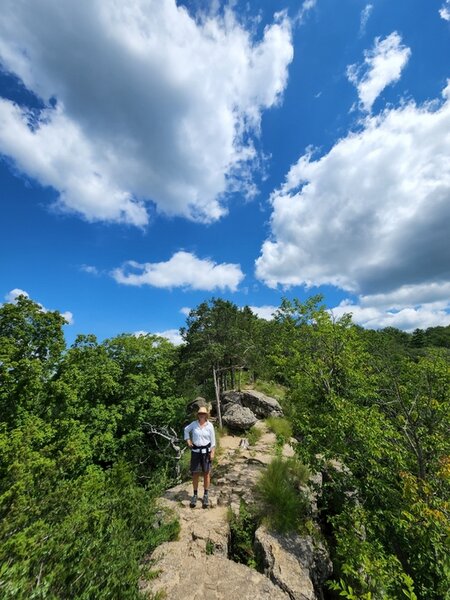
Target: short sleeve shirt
[201,436]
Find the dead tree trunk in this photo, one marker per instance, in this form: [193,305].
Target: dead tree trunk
[173,441]
[217,389]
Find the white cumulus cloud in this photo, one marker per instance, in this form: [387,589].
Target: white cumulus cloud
[185,270]
[264,312]
[173,335]
[144,103]
[444,12]
[371,216]
[12,296]
[407,318]
[383,65]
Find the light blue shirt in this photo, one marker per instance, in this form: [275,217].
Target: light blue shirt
[201,436]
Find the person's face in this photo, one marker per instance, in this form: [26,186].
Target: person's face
[201,417]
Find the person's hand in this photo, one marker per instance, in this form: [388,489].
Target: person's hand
[212,454]
[189,443]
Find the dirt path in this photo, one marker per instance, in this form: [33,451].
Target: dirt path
[196,565]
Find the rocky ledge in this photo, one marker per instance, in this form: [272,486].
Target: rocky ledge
[197,564]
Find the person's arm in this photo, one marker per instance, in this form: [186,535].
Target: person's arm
[187,436]
[213,441]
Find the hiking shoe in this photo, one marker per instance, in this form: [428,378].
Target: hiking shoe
[205,502]
[194,499]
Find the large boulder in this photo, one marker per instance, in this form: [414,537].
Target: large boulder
[238,417]
[261,405]
[193,406]
[231,397]
[297,564]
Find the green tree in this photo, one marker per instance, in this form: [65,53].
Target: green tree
[218,335]
[31,346]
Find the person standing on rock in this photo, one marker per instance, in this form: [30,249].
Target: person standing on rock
[201,439]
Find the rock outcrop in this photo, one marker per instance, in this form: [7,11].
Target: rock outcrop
[260,405]
[297,564]
[238,418]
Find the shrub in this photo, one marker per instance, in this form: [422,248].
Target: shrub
[281,503]
[242,534]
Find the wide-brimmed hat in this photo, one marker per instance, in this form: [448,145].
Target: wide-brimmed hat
[202,410]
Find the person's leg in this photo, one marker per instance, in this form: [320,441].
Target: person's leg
[195,478]
[206,482]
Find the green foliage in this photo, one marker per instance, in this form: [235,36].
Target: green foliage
[219,335]
[253,435]
[242,534]
[381,408]
[271,388]
[281,502]
[75,447]
[185,466]
[31,343]
[209,547]
[281,427]
[77,538]
[75,521]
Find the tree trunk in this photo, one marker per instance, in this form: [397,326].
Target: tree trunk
[217,389]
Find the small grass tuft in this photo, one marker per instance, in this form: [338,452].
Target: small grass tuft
[209,547]
[253,435]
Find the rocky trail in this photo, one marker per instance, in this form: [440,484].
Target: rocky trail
[197,566]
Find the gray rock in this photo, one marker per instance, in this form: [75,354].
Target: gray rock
[295,563]
[231,397]
[261,405]
[193,406]
[210,577]
[238,417]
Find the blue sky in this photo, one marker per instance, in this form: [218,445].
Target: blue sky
[154,155]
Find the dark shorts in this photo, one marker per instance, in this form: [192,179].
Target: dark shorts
[200,463]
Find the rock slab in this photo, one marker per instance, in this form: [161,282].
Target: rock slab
[295,563]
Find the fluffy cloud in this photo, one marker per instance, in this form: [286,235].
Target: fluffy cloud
[12,296]
[407,318]
[383,65]
[185,310]
[182,270]
[151,104]
[444,12]
[173,335]
[372,215]
[264,312]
